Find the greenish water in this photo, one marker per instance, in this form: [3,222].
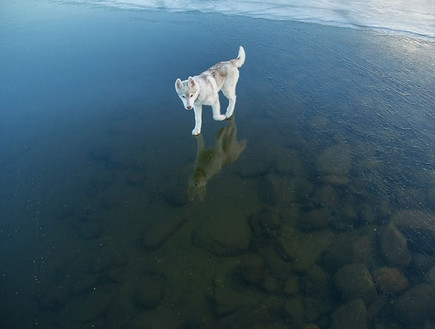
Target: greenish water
[312,208]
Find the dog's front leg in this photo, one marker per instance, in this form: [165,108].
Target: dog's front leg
[216,107]
[198,119]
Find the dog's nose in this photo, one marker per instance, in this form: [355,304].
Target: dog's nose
[189,107]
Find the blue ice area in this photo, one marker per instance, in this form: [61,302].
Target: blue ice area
[313,207]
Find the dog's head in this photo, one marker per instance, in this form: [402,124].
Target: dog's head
[188,91]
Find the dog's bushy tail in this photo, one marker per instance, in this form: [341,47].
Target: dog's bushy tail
[238,62]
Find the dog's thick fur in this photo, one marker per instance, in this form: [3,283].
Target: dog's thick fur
[204,89]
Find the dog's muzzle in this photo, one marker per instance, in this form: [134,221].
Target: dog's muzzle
[189,107]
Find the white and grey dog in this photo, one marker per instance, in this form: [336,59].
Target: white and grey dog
[204,89]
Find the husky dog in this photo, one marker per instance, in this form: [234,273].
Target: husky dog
[204,89]
[209,162]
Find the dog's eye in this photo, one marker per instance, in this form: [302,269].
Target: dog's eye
[191,95]
[182,96]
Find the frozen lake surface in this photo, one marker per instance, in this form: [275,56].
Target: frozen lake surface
[314,207]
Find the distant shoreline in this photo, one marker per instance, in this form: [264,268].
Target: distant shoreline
[391,21]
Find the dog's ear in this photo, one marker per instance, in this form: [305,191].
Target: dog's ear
[178,83]
[191,82]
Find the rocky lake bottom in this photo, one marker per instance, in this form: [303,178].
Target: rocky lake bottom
[312,208]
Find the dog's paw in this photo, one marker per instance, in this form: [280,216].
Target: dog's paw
[196,132]
[229,115]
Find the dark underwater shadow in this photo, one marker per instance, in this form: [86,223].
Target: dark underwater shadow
[209,162]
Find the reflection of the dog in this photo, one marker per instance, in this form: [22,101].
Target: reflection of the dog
[209,162]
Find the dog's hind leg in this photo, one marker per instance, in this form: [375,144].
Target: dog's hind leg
[229,90]
[231,95]
[216,108]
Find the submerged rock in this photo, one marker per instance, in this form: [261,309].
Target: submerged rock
[354,281]
[327,197]
[419,228]
[430,276]
[315,308]
[271,285]
[347,217]
[335,180]
[251,270]
[316,282]
[335,161]
[273,189]
[340,252]
[375,307]
[394,247]
[266,222]
[422,263]
[315,219]
[224,234]
[390,281]
[352,315]
[383,210]
[294,308]
[364,249]
[289,162]
[367,213]
[291,286]
[304,249]
[417,304]
[275,264]
[254,316]
[270,189]
[229,294]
